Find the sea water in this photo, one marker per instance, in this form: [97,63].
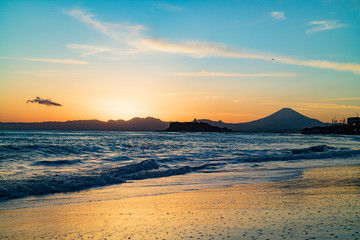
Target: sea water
[40,166]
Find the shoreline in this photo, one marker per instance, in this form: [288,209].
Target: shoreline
[324,203]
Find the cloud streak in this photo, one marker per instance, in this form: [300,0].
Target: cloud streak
[88,50]
[278,15]
[319,26]
[195,49]
[313,105]
[330,106]
[224,74]
[119,32]
[343,99]
[63,61]
[137,43]
[169,7]
[46,102]
[353,67]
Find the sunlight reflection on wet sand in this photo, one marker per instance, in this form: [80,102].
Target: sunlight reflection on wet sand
[324,204]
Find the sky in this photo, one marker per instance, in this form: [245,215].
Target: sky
[229,60]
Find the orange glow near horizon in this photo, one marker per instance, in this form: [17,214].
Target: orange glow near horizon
[122,96]
[166,108]
[171,103]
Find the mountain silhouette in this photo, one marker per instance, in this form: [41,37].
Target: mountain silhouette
[135,124]
[285,120]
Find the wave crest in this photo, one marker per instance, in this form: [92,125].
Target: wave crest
[41,185]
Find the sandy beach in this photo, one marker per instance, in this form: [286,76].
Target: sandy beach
[323,204]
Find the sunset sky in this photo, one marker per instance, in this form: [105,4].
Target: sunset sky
[235,60]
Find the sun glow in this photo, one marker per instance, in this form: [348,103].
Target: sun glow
[125,109]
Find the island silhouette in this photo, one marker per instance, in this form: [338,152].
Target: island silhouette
[194,127]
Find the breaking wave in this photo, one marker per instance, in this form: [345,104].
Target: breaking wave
[60,183]
[314,149]
[310,153]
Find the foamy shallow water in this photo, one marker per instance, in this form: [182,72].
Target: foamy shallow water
[34,164]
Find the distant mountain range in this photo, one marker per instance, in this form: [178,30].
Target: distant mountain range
[285,120]
[135,124]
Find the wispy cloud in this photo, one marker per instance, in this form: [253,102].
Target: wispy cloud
[208,49]
[312,105]
[319,26]
[329,106]
[46,102]
[85,50]
[189,48]
[195,49]
[353,67]
[133,37]
[224,74]
[119,32]
[169,7]
[342,99]
[63,61]
[278,15]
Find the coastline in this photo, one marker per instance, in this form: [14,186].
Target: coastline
[324,204]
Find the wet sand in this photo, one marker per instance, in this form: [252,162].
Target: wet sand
[323,204]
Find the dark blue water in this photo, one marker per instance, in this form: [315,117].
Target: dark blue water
[41,162]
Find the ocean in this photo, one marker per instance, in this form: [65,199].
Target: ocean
[45,167]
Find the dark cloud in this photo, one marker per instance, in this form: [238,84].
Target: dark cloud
[46,102]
